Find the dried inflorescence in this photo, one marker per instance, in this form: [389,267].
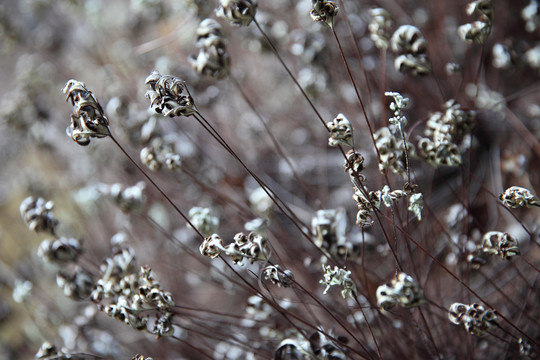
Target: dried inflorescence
[400,102]
[213,59]
[516,196]
[443,130]
[499,243]
[130,294]
[531,16]
[48,351]
[130,199]
[141,357]
[88,120]
[379,27]
[203,220]
[476,319]
[340,277]
[60,251]
[324,11]
[318,346]
[341,132]
[169,95]
[237,12]
[478,31]
[77,284]
[328,228]
[402,290]
[411,47]
[37,214]
[252,247]
[161,154]
[392,151]
[281,278]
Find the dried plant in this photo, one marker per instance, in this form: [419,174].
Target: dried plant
[255,223]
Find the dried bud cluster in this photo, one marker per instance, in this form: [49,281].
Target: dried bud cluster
[392,151]
[252,246]
[160,154]
[141,357]
[37,214]
[478,31]
[354,164]
[531,16]
[169,95]
[203,220]
[48,351]
[281,278]
[474,317]
[402,290]
[317,346]
[524,347]
[439,147]
[237,12]
[213,59]
[341,132]
[88,119]
[328,228]
[60,251]
[325,11]
[379,27]
[77,284]
[411,47]
[128,198]
[339,277]
[516,196]
[125,291]
[397,107]
[499,243]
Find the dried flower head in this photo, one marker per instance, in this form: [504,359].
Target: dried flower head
[48,351]
[416,204]
[402,290]
[77,284]
[213,59]
[37,214]
[237,12]
[88,120]
[141,357]
[379,27]
[499,243]
[130,199]
[161,154]
[341,132]
[281,278]
[476,319]
[397,107]
[339,277]
[516,196]
[325,11]
[203,220]
[531,16]
[524,347]
[169,95]
[21,290]
[411,47]
[478,31]
[60,251]
[212,246]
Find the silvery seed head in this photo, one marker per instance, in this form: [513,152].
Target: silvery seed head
[37,214]
[324,11]
[169,95]
[237,12]
[88,120]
